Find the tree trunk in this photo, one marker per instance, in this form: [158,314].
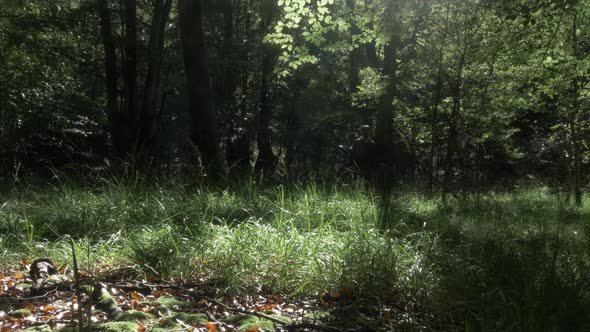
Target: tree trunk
[573,120]
[384,147]
[229,85]
[204,132]
[452,142]
[110,58]
[266,160]
[130,77]
[436,99]
[452,138]
[371,47]
[238,150]
[149,117]
[385,109]
[354,61]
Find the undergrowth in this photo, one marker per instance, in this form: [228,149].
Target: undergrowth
[499,261]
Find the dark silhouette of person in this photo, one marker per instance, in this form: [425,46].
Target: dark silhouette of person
[362,154]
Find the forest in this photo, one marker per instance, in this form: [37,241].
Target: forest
[294,165]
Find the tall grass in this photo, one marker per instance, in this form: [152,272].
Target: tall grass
[504,261]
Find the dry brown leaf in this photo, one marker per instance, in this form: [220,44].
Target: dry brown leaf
[253,329]
[18,275]
[211,327]
[26,261]
[140,327]
[49,308]
[29,306]
[135,296]
[265,308]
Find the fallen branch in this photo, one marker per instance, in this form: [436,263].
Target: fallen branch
[30,298]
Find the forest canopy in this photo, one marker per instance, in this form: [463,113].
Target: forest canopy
[458,95]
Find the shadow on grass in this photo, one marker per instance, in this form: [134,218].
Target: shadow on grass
[503,262]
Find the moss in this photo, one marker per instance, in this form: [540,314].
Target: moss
[317,314]
[116,327]
[171,301]
[245,322]
[105,302]
[19,313]
[162,311]
[168,323]
[191,318]
[133,315]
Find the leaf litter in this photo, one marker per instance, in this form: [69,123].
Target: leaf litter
[176,305]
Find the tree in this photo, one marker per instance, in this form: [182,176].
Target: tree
[204,132]
[134,114]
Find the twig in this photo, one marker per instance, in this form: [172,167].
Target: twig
[30,298]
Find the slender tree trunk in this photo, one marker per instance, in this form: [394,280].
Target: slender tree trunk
[452,142]
[204,133]
[354,60]
[130,76]
[384,147]
[110,58]
[371,47]
[238,150]
[266,160]
[384,126]
[228,46]
[149,117]
[452,138]
[436,100]
[573,119]
[433,127]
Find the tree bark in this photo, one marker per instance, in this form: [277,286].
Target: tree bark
[130,76]
[204,132]
[149,117]
[229,84]
[354,60]
[452,138]
[110,60]
[371,47]
[385,109]
[266,160]
[573,120]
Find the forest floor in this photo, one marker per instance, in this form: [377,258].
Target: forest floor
[243,257]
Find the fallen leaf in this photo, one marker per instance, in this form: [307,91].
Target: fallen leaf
[140,327]
[135,296]
[29,306]
[18,275]
[265,308]
[253,329]
[49,308]
[26,261]
[211,327]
